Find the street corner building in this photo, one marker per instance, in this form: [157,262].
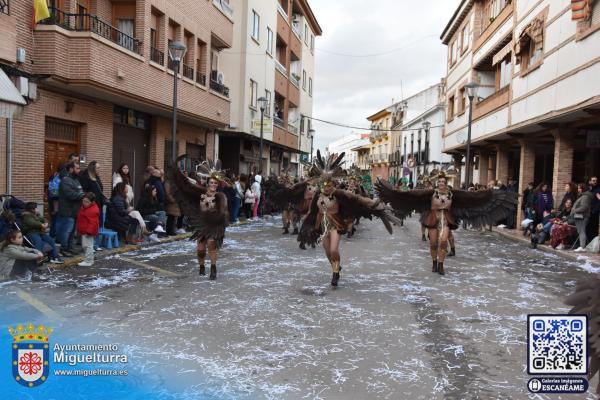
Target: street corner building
[99,82]
[535,67]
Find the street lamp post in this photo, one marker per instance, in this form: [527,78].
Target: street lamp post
[263,103]
[471,89]
[426,126]
[311,133]
[176,52]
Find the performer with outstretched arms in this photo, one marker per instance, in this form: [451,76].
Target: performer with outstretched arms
[442,207]
[205,208]
[331,208]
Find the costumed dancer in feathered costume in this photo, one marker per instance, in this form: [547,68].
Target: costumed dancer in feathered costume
[441,208]
[289,215]
[356,188]
[205,208]
[331,208]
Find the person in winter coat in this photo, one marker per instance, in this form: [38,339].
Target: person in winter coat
[88,225]
[256,190]
[150,209]
[70,194]
[543,201]
[53,187]
[173,211]
[16,259]
[570,194]
[122,175]
[35,228]
[155,180]
[117,215]
[249,199]
[581,212]
[236,200]
[91,182]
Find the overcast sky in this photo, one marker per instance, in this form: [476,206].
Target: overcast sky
[348,88]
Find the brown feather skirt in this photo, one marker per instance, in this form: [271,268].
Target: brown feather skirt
[430,219]
[212,228]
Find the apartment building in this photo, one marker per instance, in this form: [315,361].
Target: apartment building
[417,134]
[535,116]
[105,84]
[272,57]
[380,138]
[346,144]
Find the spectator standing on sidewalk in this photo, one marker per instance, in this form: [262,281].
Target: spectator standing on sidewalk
[53,187]
[256,190]
[35,228]
[88,225]
[543,201]
[249,200]
[581,212]
[236,200]
[122,175]
[91,182]
[70,194]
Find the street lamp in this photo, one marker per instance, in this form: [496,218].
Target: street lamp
[311,135]
[176,52]
[263,103]
[471,89]
[426,126]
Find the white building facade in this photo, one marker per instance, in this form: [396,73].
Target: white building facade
[346,144]
[273,45]
[535,116]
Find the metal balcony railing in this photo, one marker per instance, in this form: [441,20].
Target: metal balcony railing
[4,7]
[91,23]
[293,129]
[219,88]
[225,7]
[295,80]
[188,71]
[157,56]
[280,67]
[278,121]
[200,78]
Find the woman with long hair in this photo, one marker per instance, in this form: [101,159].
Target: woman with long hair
[117,215]
[123,175]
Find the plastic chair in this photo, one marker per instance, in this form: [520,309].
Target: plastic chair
[106,238]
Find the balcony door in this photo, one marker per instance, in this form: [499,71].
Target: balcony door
[124,21]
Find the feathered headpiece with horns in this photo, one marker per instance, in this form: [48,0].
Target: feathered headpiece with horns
[327,169]
[211,169]
[445,173]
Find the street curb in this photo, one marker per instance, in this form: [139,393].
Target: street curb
[72,262]
[565,254]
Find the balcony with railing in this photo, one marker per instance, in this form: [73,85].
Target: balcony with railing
[157,56]
[91,23]
[280,68]
[187,71]
[200,78]
[293,129]
[224,6]
[4,4]
[219,88]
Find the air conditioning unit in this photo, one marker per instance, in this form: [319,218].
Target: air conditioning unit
[22,84]
[220,78]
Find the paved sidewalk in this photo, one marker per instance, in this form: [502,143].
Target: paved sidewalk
[592,258]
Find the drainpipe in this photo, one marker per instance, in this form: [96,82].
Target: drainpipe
[9,155]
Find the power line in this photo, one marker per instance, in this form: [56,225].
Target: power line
[369,129]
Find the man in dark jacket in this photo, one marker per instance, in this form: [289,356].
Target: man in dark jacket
[70,194]
[35,228]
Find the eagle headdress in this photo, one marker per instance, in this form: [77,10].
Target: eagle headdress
[211,169]
[328,168]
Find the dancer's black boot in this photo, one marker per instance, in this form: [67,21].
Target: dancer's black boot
[335,279]
[295,231]
[441,268]
[202,270]
[285,231]
[423,238]
[302,246]
[434,268]
[452,252]
[213,272]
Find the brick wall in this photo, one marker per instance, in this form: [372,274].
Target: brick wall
[563,163]
[526,171]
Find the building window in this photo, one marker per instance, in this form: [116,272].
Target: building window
[269,41]
[462,104]
[310,86]
[587,13]
[465,38]
[503,72]
[529,47]
[304,79]
[253,93]
[306,34]
[451,108]
[255,25]
[312,43]
[268,97]
[452,56]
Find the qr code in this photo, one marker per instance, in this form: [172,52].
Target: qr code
[557,344]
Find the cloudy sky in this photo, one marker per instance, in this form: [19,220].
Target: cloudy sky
[373,51]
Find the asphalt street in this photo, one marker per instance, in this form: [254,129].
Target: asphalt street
[272,327]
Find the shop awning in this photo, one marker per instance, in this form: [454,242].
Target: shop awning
[11,101]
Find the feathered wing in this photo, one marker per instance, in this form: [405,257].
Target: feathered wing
[482,208]
[586,300]
[282,195]
[353,206]
[404,202]
[308,233]
[186,194]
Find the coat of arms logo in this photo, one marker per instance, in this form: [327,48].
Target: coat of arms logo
[30,354]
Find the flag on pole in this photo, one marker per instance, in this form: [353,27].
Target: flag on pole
[40,11]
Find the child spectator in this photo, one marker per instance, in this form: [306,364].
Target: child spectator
[16,259]
[88,224]
[35,228]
